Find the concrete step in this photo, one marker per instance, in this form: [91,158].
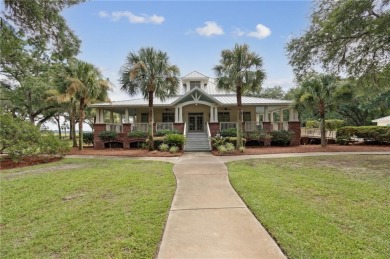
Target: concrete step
[197,142]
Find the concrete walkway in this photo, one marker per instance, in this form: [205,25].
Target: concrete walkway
[208,219]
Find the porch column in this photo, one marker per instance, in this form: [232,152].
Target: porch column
[293,115]
[280,126]
[97,115]
[126,115]
[111,117]
[179,114]
[216,114]
[212,114]
[265,117]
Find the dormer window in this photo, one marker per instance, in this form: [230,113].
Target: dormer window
[194,84]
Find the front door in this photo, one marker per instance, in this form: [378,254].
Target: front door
[195,121]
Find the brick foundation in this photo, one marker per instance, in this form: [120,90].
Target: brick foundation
[267,127]
[214,128]
[179,127]
[295,127]
[97,143]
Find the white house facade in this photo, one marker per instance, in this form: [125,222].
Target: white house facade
[199,108]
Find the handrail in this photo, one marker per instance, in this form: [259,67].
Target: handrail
[117,127]
[227,125]
[208,134]
[164,126]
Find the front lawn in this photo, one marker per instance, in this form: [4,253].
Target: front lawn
[85,208]
[320,207]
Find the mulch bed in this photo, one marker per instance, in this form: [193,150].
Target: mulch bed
[89,151]
[7,163]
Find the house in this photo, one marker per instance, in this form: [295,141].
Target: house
[199,111]
[384,121]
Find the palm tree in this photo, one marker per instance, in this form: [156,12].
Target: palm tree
[84,84]
[318,92]
[149,72]
[239,71]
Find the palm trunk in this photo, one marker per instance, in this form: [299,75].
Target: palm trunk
[81,120]
[73,124]
[150,120]
[239,118]
[322,125]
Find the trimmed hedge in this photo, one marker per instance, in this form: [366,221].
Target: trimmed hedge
[137,134]
[232,132]
[281,137]
[376,134]
[167,132]
[88,138]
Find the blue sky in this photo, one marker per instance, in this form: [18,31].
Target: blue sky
[192,33]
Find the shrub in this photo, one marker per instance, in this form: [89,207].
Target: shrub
[281,137]
[173,149]
[20,139]
[257,135]
[222,149]
[229,147]
[166,132]
[312,124]
[333,124]
[137,134]
[242,149]
[88,138]
[218,141]
[108,136]
[163,147]
[174,140]
[233,140]
[368,133]
[232,132]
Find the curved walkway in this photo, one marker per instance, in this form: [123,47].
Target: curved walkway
[208,219]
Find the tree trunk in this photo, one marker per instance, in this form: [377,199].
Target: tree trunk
[322,125]
[150,120]
[81,120]
[57,119]
[73,123]
[239,118]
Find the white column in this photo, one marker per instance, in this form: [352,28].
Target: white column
[216,114]
[296,117]
[291,115]
[126,115]
[176,114]
[265,117]
[111,117]
[281,115]
[97,115]
[212,114]
[181,114]
[272,117]
[102,116]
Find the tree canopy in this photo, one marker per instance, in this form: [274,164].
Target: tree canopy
[150,73]
[42,23]
[239,71]
[344,36]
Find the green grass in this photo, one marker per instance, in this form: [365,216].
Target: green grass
[85,208]
[320,207]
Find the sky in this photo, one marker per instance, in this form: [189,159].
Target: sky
[193,33]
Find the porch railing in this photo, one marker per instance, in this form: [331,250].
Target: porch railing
[208,134]
[251,126]
[117,127]
[316,133]
[164,126]
[227,125]
[139,127]
[280,125]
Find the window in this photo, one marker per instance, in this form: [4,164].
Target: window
[194,84]
[144,117]
[168,117]
[247,116]
[223,116]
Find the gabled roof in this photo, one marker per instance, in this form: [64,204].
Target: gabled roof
[387,118]
[195,75]
[248,100]
[196,94]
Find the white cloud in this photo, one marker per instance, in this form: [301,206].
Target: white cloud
[103,14]
[136,19]
[260,33]
[238,32]
[211,28]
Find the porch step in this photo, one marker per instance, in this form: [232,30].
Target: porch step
[197,142]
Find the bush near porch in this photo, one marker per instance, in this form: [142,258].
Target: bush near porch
[373,134]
